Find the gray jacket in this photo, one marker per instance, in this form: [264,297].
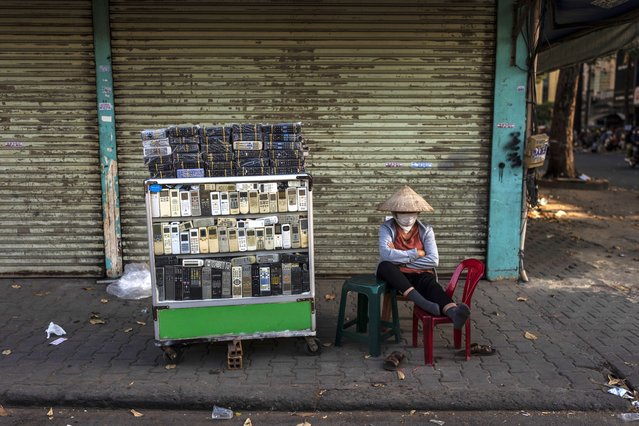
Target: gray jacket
[408,258]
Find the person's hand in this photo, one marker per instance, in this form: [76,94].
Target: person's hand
[391,245]
[421,253]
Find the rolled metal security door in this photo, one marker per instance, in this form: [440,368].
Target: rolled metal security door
[389,94]
[50,208]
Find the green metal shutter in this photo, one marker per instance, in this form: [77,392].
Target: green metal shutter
[50,208]
[374,83]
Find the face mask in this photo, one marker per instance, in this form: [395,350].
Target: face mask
[406,220]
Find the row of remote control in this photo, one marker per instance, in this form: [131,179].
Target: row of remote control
[206,202]
[169,239]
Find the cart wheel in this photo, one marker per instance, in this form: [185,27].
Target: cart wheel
[313,346]
[173,354]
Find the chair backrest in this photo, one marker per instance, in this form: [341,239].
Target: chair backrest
[475,270]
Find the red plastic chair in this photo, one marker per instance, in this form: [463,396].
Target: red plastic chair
[475,270]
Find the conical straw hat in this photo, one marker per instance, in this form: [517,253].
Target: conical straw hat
[405,200]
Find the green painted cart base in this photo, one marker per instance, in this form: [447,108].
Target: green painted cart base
[231,322]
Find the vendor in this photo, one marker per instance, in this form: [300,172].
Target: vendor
[408,257]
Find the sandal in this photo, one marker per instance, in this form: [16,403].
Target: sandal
[392,361]
[477,349]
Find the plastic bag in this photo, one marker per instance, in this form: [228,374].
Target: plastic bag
[221,413]
[54,329]
[134,284]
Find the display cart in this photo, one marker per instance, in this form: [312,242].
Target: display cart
[231,259]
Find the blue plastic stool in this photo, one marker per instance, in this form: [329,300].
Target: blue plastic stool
[369,292]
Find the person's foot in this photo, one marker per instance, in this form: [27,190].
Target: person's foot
[459,315]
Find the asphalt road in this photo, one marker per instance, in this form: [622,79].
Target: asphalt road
[610,166]
[80,416]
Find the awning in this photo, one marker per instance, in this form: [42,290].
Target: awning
[575,31]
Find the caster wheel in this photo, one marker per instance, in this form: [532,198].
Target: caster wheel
[313,346]
[173,354]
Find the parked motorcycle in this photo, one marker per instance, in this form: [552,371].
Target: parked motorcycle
[633,148]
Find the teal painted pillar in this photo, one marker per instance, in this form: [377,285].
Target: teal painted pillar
[108,151]
[507,169]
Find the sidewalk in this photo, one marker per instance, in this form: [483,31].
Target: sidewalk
[584,332]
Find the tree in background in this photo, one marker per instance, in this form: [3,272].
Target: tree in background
[561,161]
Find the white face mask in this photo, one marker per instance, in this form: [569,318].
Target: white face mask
[406,220]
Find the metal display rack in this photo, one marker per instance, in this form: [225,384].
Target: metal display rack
[199,308]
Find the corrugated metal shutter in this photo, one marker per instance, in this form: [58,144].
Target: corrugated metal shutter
[374,82]
[50,208]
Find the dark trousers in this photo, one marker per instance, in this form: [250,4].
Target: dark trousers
[425,283]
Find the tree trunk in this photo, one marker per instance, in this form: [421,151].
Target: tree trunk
[561,162]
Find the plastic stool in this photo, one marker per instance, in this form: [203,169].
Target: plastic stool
[369,292]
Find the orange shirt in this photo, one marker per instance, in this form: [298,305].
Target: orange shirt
[404,241]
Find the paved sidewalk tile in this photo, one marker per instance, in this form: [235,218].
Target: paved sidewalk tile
[580,339]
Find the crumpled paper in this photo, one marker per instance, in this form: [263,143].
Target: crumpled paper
[54,329]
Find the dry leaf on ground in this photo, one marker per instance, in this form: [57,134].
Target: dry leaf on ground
[322,392]
[304,424]
[41,293]
[248,422]
[170,366]
[95,321]
[50,412]
[401,375]
[3,412]
[412,412]
[303,414]
[378,385]
[104,300]
[141,322]
[128,330]
[16,286]
[530,336]
[615,381]
[136,413]
[367,356]
[6,352]
[87,288]
[329,296]
[522,299]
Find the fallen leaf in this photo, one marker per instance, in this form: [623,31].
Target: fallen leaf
[95,314]
[248,422]
[128,330]
[50,412]
[95,321]
[6,352]
[303,414]
[522,299]
[437,422]
[3,412]
[401,375]
[41,293]
[170,366]
[141,322]
[16,286]
[104,300]
[367,356]
[412,412]
[322,392]
[612,380]
[136,413]
[528,335]
[131,384]
[329,296]
[325,417]
[378,385]
[87,288]
[304,424]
